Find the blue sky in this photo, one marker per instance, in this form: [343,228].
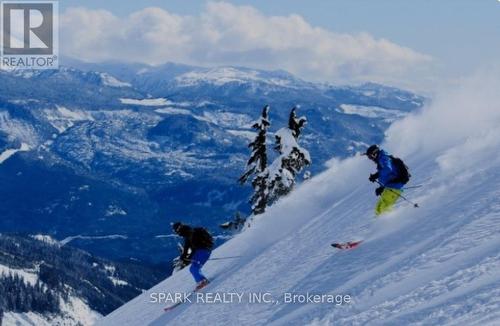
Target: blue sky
[460,35]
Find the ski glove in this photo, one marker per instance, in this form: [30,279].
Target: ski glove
[379,191]
[373,177]
[178,264]
[185,260]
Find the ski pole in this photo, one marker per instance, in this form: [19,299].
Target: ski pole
[421,184]
[413,187]
[217,258]
[220,258]
[400,195]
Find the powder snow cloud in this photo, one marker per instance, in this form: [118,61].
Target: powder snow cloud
[459,129]
[468,110]
[226,34]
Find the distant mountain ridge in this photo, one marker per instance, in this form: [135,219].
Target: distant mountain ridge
[124,149]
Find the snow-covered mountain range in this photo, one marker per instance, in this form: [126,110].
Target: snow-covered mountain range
[106,155]
[432,265]
[45,282]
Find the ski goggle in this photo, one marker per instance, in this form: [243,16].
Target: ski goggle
[372,155]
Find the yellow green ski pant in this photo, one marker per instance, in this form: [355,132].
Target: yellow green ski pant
[387,199]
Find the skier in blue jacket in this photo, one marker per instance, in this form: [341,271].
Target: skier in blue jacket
[388,177]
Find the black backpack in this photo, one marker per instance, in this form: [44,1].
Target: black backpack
[202,239]
[403,173]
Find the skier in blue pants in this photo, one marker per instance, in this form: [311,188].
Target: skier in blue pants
[198,259]
[198,244]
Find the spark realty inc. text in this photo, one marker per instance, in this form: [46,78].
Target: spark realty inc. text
[251,297]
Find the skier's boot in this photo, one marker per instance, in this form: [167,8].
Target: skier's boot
[201,284]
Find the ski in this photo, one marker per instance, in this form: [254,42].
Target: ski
[169,308]
[175,305]
[347,245]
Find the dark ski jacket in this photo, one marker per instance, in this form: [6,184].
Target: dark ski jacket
[387,171]
[192,240]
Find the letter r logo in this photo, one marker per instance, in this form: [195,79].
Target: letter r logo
[28,28]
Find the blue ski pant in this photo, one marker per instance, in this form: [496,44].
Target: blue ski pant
[198,259]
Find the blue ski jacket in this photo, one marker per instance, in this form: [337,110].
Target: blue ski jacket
[387,171]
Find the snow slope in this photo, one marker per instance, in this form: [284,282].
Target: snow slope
[433,265]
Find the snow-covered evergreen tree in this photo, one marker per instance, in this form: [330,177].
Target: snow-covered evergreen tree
[257,165]
[291,160]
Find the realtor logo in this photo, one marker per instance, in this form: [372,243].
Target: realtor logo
[29,35]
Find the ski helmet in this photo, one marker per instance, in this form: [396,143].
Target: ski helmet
[176,226]
[181,229]
[372,151]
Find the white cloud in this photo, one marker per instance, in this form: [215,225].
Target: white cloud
[226,34]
